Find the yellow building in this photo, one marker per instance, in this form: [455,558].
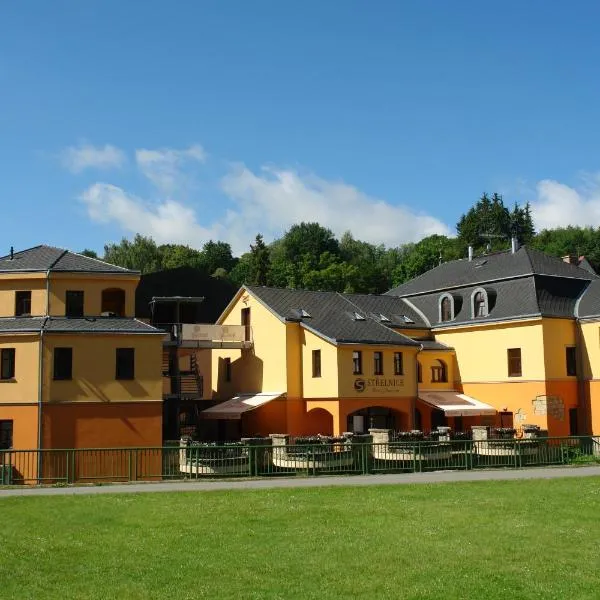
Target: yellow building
[321,362]
[504,339]
[77,369]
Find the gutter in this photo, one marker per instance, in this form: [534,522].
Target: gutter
[40,394]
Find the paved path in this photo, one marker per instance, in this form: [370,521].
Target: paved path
[300,482]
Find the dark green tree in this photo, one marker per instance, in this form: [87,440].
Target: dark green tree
[89,253]
[216,255]
[259,262]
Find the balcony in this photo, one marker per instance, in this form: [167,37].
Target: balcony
[201,335]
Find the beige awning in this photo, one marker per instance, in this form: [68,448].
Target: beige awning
[236,406]
[455,404]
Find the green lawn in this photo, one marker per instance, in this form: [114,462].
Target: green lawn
[520,539]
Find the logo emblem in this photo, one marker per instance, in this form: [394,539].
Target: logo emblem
[359,385]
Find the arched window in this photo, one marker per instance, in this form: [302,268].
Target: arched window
[439,372]
[113,302]
[479,304]
[446,308]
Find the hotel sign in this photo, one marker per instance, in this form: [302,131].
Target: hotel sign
[379,385]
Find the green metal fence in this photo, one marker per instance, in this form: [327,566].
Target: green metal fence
[266,457]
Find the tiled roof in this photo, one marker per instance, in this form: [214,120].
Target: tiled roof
[20,324]
[589,305]
[493,267]
[99,325]
[72,325]
[48,258]
[508,299]
[332,315]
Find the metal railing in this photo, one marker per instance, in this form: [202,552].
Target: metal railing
[266,457]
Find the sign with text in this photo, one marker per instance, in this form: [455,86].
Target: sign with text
[379,385]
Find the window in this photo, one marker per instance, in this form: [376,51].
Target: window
[246,322]
[514,362]
[228,369]
[6,435]
[63,363]
[419,373]
[22,304]
[113,302]
[357,362]
[74,304]
[398,364]
[446,309]
[571,357]
[439,372]
[7,363]
[316,363]
[125,363]
[479,304]
[378,363]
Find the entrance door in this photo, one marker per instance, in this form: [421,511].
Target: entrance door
[573,428]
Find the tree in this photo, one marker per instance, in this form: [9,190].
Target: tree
[141,255]
[240,274]
[368,259]
[177,255]
[490,223]
[89,253]
[425,255]
[216,255]
[259,262]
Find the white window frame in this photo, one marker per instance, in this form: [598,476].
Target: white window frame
[486,302]
[452,313]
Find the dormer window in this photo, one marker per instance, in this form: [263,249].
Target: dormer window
[446,308]
[479,304]
[358,317]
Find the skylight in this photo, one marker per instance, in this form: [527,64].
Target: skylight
[358,317]
[384,319]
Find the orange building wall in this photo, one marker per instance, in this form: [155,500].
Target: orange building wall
[100,425]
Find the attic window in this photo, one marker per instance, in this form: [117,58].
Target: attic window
[384,319]
[407,319]
[305,314]
[358,317]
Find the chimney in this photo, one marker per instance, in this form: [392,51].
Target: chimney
[470,253]
[514,244]
[12,253]
[572,259]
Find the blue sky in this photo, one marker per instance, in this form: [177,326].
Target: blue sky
[192,120]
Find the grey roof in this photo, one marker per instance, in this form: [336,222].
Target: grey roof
[589,305]
[332,314]
[20,324]
[509,299]
[47,258]
[433,345]
[99,325]
[76,325]
[493,267]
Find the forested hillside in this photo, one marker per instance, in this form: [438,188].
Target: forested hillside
[309,256]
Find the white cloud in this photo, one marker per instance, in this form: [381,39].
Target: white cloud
[165,167]
[165,222]
[277,198]
[86,156]
[559,205]
[268,203]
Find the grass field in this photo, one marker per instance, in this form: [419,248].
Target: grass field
[521,539]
